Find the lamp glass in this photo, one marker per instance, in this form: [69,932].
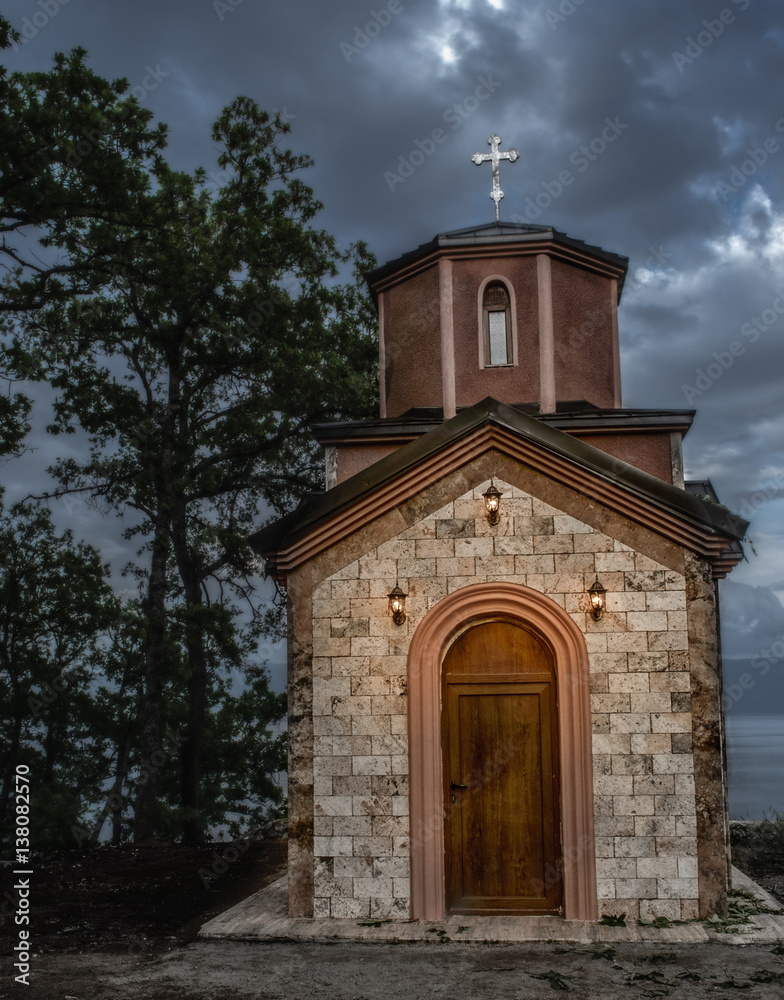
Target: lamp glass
[397,605]
[492,498]
[596,592]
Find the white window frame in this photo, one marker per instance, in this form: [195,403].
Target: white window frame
[484,346]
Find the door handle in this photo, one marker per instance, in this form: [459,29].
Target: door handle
[455,785]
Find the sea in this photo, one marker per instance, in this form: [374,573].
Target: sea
[755,761]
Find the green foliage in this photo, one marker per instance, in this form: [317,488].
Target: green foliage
[557,980]
[605,951]
[192,332]
[55,609]
[7,34]
[74,153]
[741,907]
[766,835]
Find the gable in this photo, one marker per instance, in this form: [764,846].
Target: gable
[601,487]
[362,682]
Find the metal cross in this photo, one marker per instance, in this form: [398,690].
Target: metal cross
[495,158]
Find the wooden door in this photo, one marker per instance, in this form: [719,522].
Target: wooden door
[500,751]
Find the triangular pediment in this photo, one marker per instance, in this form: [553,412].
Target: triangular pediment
[322,520]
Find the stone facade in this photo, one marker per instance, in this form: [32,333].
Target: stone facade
[590,488]
[349,765]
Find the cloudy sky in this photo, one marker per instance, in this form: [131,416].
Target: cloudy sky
[689,187]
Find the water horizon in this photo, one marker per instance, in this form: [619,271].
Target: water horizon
[755,763]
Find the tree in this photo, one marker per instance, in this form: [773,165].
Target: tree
[73,151]
[195,344]
[55,604]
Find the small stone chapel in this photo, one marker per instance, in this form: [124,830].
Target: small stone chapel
[504,668]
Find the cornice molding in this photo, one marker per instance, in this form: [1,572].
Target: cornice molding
[698,538]
[558,251]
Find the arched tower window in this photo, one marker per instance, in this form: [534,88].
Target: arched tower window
[497,325]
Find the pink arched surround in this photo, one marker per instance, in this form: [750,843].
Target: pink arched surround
[480,299]
[425,658]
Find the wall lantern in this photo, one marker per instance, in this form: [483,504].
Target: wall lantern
[397,605]
[493,504]
[597,594]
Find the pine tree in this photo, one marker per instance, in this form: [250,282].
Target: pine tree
[194,332]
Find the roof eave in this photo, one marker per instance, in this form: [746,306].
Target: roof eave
[698,519]
[480,238]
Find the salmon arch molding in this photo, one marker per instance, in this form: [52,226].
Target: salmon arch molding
[425,658]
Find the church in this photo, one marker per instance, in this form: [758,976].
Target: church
[504,673]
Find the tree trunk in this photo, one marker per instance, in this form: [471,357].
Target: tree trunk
[155,645]
[190,758]
[123,755]
[51,745]
[8,659]
[190,755]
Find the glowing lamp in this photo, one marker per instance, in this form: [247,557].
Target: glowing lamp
[397,605]
[493,504]
[597,593]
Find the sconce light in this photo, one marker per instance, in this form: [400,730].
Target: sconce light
[397,605]
[493,504]
[597,594]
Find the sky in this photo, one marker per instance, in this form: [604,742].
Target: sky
[654,130]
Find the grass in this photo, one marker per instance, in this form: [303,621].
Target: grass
[766,835]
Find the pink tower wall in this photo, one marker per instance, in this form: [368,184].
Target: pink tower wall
[583,321]
[517,384]
[584,325]
[412,344]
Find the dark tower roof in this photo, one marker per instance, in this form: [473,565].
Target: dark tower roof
[496,234]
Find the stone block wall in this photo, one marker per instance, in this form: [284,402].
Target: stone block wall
[645,817]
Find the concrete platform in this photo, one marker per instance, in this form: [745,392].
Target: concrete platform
[264,917]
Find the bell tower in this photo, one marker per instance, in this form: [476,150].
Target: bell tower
[502,534]
[522,313]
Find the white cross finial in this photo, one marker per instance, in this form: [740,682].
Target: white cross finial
[495,157]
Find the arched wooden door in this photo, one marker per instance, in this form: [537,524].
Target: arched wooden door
[501,772]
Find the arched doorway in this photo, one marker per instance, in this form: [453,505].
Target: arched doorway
[499,725]
[534,615]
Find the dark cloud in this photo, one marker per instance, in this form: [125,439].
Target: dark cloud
[754,618]
[687,189]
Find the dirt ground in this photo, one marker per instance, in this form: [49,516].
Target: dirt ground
[137,899]
[236,971]
[122,923]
